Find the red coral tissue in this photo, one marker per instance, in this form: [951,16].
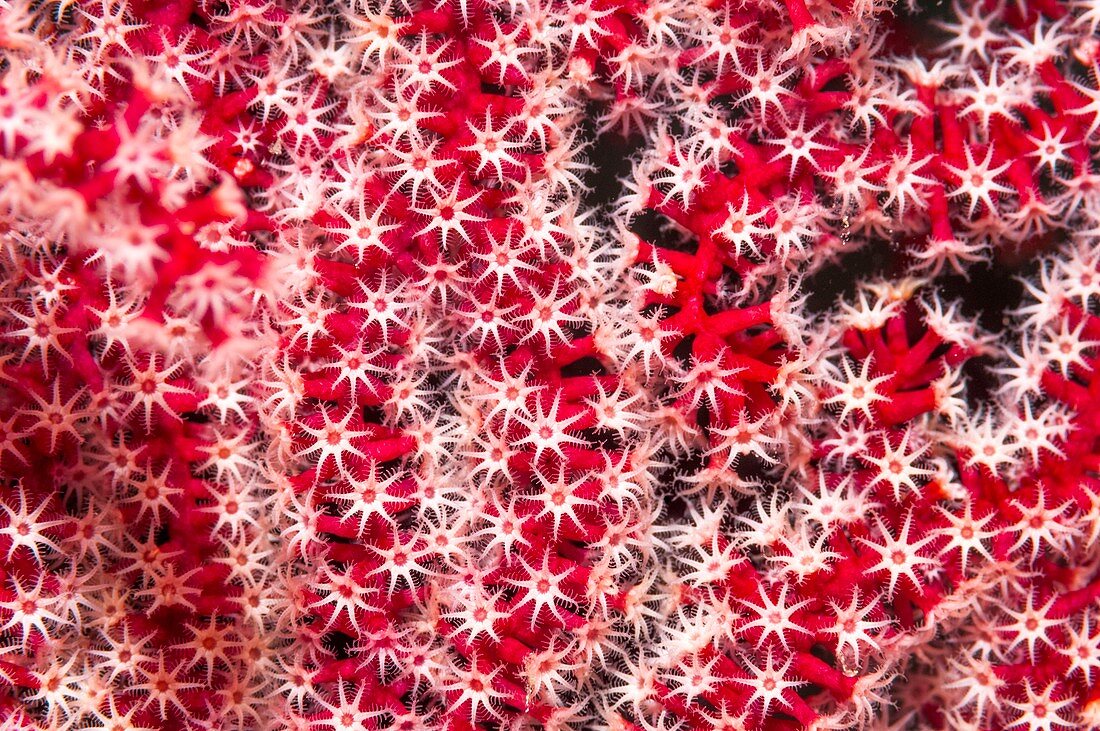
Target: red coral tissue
[610,365]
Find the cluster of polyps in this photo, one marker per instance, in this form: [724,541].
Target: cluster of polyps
[330,400]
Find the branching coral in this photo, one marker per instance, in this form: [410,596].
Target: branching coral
[594,365]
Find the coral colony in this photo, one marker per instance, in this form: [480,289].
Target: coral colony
[535,364]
